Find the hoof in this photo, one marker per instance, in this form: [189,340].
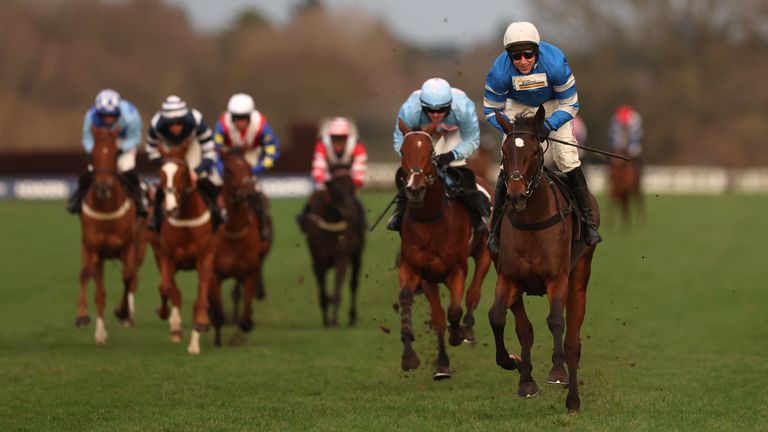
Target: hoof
[202,328]
[176,336]
[509,362]
[558,375]
[469,335]
[441,374]
[528,389]
[163,312]
[246,325]
[410,363]
[82,321]
[456,337]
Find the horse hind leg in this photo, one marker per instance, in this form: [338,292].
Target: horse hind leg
[319,271]
[482,265]
[215,309]
[575,309]
[124,311]
[456,288]
[341,275]
[410,361]
[353,285]
[527,386]
[246,321]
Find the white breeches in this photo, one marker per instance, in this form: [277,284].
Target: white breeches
[447,143]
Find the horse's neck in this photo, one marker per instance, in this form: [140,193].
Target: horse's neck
[541,204]
[239,216]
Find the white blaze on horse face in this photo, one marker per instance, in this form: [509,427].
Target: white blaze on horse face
[519,142]
[169,168]
[410,180]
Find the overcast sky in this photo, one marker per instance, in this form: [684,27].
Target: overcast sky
[423,22]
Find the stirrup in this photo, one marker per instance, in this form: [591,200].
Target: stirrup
[395,222]
[593,235]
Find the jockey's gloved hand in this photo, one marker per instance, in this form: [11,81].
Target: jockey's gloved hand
[444,159]
[205,166]
[544,132]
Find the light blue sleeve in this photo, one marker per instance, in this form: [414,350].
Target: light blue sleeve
[469,129]
[87,135]
[133,127]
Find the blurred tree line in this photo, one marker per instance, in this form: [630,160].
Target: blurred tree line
[694,69]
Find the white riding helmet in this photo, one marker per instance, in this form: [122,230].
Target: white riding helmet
[174,107]
[339,126]
[241,104]
[521,32]
[107,103]
[436,94]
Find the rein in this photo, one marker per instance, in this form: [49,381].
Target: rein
[429,181]
[517,175]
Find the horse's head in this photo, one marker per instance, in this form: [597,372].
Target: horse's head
[175,177]
[238,180]
[341,189]
[417,165]
[104,160]
[522,156]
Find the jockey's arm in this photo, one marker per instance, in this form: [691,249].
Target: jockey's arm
[497,85]
[270,149]
[469,129]
[359,165]
[564,85]
[151,147]
[87,135]
[207,147]
[319,165]
[133,129]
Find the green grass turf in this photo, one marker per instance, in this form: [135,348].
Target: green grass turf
[674,339]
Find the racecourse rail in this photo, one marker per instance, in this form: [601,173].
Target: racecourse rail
[656,179]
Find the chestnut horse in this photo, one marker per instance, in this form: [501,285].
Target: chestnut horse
[335,231]
[110,229]
[238,248]
[184,243]
[437,239]
[625,186]
[538,255]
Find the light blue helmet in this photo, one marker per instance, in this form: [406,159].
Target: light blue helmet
[108,103]
[436,94]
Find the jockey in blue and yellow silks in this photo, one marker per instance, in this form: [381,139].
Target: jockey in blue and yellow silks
[242,126]
[112,112]
[456,138]
[528,74]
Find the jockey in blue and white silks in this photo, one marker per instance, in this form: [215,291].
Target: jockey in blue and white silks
[112,112]
[174,124]
[455,139]
[528,74]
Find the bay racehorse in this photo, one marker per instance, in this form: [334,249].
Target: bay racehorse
[624,178]
[110,229]
[335,230]
[437,239]
[541,253]
[184,243]
[238,247]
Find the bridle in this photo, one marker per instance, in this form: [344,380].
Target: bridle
[428,179]
[535,180]
[171,189]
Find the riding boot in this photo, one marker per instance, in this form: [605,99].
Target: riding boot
[134,190]
[499,199]
[479,207]
[74,203]
[578,185]
[156,221]
[264,217]
[210,192]
[395,221]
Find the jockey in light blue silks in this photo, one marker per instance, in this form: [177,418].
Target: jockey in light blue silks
[530,73]
[456,138]
[112,112]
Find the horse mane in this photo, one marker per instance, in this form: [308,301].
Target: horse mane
[524,121]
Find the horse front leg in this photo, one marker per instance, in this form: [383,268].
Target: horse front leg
[431,290]
[86,273]
[409,280]
[200,320]
[575,309]
[100,298]
[497,316]
[124,311]
[527,386]
[250,285]
[341,275]
[455,285]
[318,268]
[215,308]
[353,284]
[169,291]
[557,293]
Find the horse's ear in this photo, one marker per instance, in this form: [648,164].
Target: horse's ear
[183,148]
[430,128]
[403,127]
[503,121]
[538,119]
